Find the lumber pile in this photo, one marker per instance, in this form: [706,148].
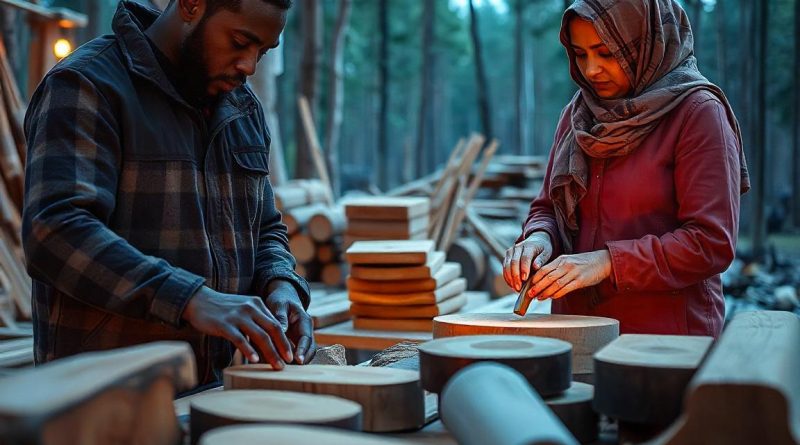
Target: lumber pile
[401,285]
[15,285]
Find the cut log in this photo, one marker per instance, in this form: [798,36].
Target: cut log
[377,228]
[392,399]
[302,247]
[326,224]
[223,408]
[468,253]
[120,396]
[386,208]
[642,378]
[376,273]
[746,391]
[586,334]
[294,435]
[449,290]
[401,325]
[333,274]
[448,306]
[297,219]
[300,192]
[447,273]
[544,362]
[574,408]
[390,252]
[328,253]
[489,403]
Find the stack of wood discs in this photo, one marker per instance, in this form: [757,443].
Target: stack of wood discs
[242,406]
[386,218]
[401,285]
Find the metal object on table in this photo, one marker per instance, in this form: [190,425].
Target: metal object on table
[521,306]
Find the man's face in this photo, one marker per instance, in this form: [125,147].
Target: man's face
[223,49]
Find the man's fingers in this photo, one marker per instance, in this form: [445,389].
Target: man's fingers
[305,333]
[542,258]
[269,324]
[240,342]
[556,284]
[507,267]
[549,274]
[525,260]
[515,267]
[571,286]
[302,350]
[280,312]
[264,344]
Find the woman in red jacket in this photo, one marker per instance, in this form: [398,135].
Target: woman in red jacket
[638,213]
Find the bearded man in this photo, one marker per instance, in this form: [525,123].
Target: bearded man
[148,211]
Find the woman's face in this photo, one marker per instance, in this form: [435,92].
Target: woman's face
[596,63]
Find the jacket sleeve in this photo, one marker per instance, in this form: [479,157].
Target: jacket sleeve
[71,177]
[273,259]
[707,178]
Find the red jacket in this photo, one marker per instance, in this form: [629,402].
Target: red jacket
[668,213]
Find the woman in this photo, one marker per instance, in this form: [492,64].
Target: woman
[638,213]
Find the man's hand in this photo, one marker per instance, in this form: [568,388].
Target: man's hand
[243,320]
[535,251]
[284,302]
[568,273]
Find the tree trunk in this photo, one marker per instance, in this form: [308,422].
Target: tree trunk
[520,84]
[484,103]
[383,95]
[336,95]
[796,134]
[696,19]
[761,18]
[722,50]
[311,30]
[426,96]
[264,85]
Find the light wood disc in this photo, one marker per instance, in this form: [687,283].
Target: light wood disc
[586,334]
[392,399]
[574,408]
[294,435]
[544,362]
[223,408]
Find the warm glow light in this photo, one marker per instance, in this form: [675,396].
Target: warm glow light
[62,48]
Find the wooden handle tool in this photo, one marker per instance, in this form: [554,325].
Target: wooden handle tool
[521,306]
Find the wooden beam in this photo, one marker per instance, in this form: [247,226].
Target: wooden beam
[66,18]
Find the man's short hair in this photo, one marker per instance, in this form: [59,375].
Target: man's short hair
[212,6]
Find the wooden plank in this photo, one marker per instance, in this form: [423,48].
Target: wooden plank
[448,306]
[350,337]
[449,290]
[747,390]
[393,324]
[386,208]
[447,273]
[401,252]
[395,228]
[374,273]
[330,313]
[349,239]
[75,399]
[392,399]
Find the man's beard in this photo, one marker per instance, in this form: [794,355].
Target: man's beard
[194,72]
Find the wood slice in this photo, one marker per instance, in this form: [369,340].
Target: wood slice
[386,208]
[746,391]
[99,397]
[294,435]
[377,273]
[242,406]
[349,238]
[289,197]
[327,223]
[400,252]
[428,311]
[392,324]
[574,408]
[392,399]
[642,378]
[489,403]
[333,274]
[586,334]
[544,362]
[468,253]
[377,228]
[447,273]
[302,247]
[449,290]
[296,219]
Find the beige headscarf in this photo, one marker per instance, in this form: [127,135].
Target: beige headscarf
[653,43]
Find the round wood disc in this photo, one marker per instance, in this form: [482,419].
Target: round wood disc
[223,408]
[544,362]
[642,378]
[295,435]
[586,334]
[574,408]
[392,399]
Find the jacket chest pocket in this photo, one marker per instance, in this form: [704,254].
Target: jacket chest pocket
[251,171]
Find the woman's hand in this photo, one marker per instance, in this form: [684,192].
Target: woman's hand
[568,273]
[535,251]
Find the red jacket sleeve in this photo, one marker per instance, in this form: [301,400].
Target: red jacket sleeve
[707,181]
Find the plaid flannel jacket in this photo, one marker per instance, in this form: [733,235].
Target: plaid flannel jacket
[134,200]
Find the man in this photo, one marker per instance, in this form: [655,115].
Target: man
[148,212]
